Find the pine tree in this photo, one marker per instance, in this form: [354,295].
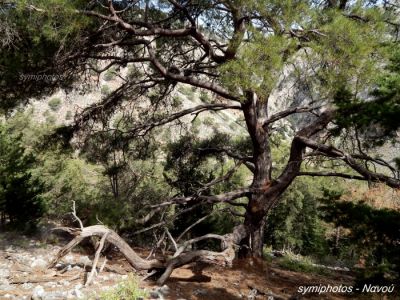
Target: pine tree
[20,194]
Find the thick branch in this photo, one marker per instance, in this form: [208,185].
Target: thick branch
[350,161]
[282,114]
[221,198]
[247,160]
[331,174]
[211,86]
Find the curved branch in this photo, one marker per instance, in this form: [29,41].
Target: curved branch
[143,129]
[351,162]
[211,86]
[282,114]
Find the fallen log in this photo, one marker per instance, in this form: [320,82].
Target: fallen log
[164,267]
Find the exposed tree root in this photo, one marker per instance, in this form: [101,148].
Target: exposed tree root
[165,267]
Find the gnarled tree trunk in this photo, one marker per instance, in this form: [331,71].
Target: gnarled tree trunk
[256,113]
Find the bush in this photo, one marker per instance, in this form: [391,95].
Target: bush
[105,90]
[68,115]
[188,92]
[110,74]
[373,235]
[20,194]
[295,223]
[128,289]
[54,104]
[176,101]
[205,97]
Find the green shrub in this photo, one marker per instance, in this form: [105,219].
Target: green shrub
[105,90]
[110,74]
[128,289]
[372,234]
[176,101]
[204,97]
[295,223]
[51,119]
[208,121]
[55,104]
[188,92]
[68,115]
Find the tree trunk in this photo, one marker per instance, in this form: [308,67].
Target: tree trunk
[256,113]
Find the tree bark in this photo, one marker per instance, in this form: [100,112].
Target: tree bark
[256,114]
[167,265]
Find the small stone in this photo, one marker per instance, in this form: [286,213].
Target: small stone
[39,263]
[200,292]
[38,293]
[77,293]
[69,259]
[4,273]
[164,289]
[84,260]
[65,282]
[27,286]
[154,295]
[70,295]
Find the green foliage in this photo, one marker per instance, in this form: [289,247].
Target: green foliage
[128,289]
[187,91]
[110,74]
[105,90]
[344,52]
[29,66]
[188,166]
[204,97]
[55,104]
[380,115]
[20,193]
[258,66]
[374,232]
[176,101]
[295,223]
[68,115]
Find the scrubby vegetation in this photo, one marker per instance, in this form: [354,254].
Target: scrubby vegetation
[128,289]
[55,104]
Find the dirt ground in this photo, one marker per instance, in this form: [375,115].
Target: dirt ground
[23,276]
